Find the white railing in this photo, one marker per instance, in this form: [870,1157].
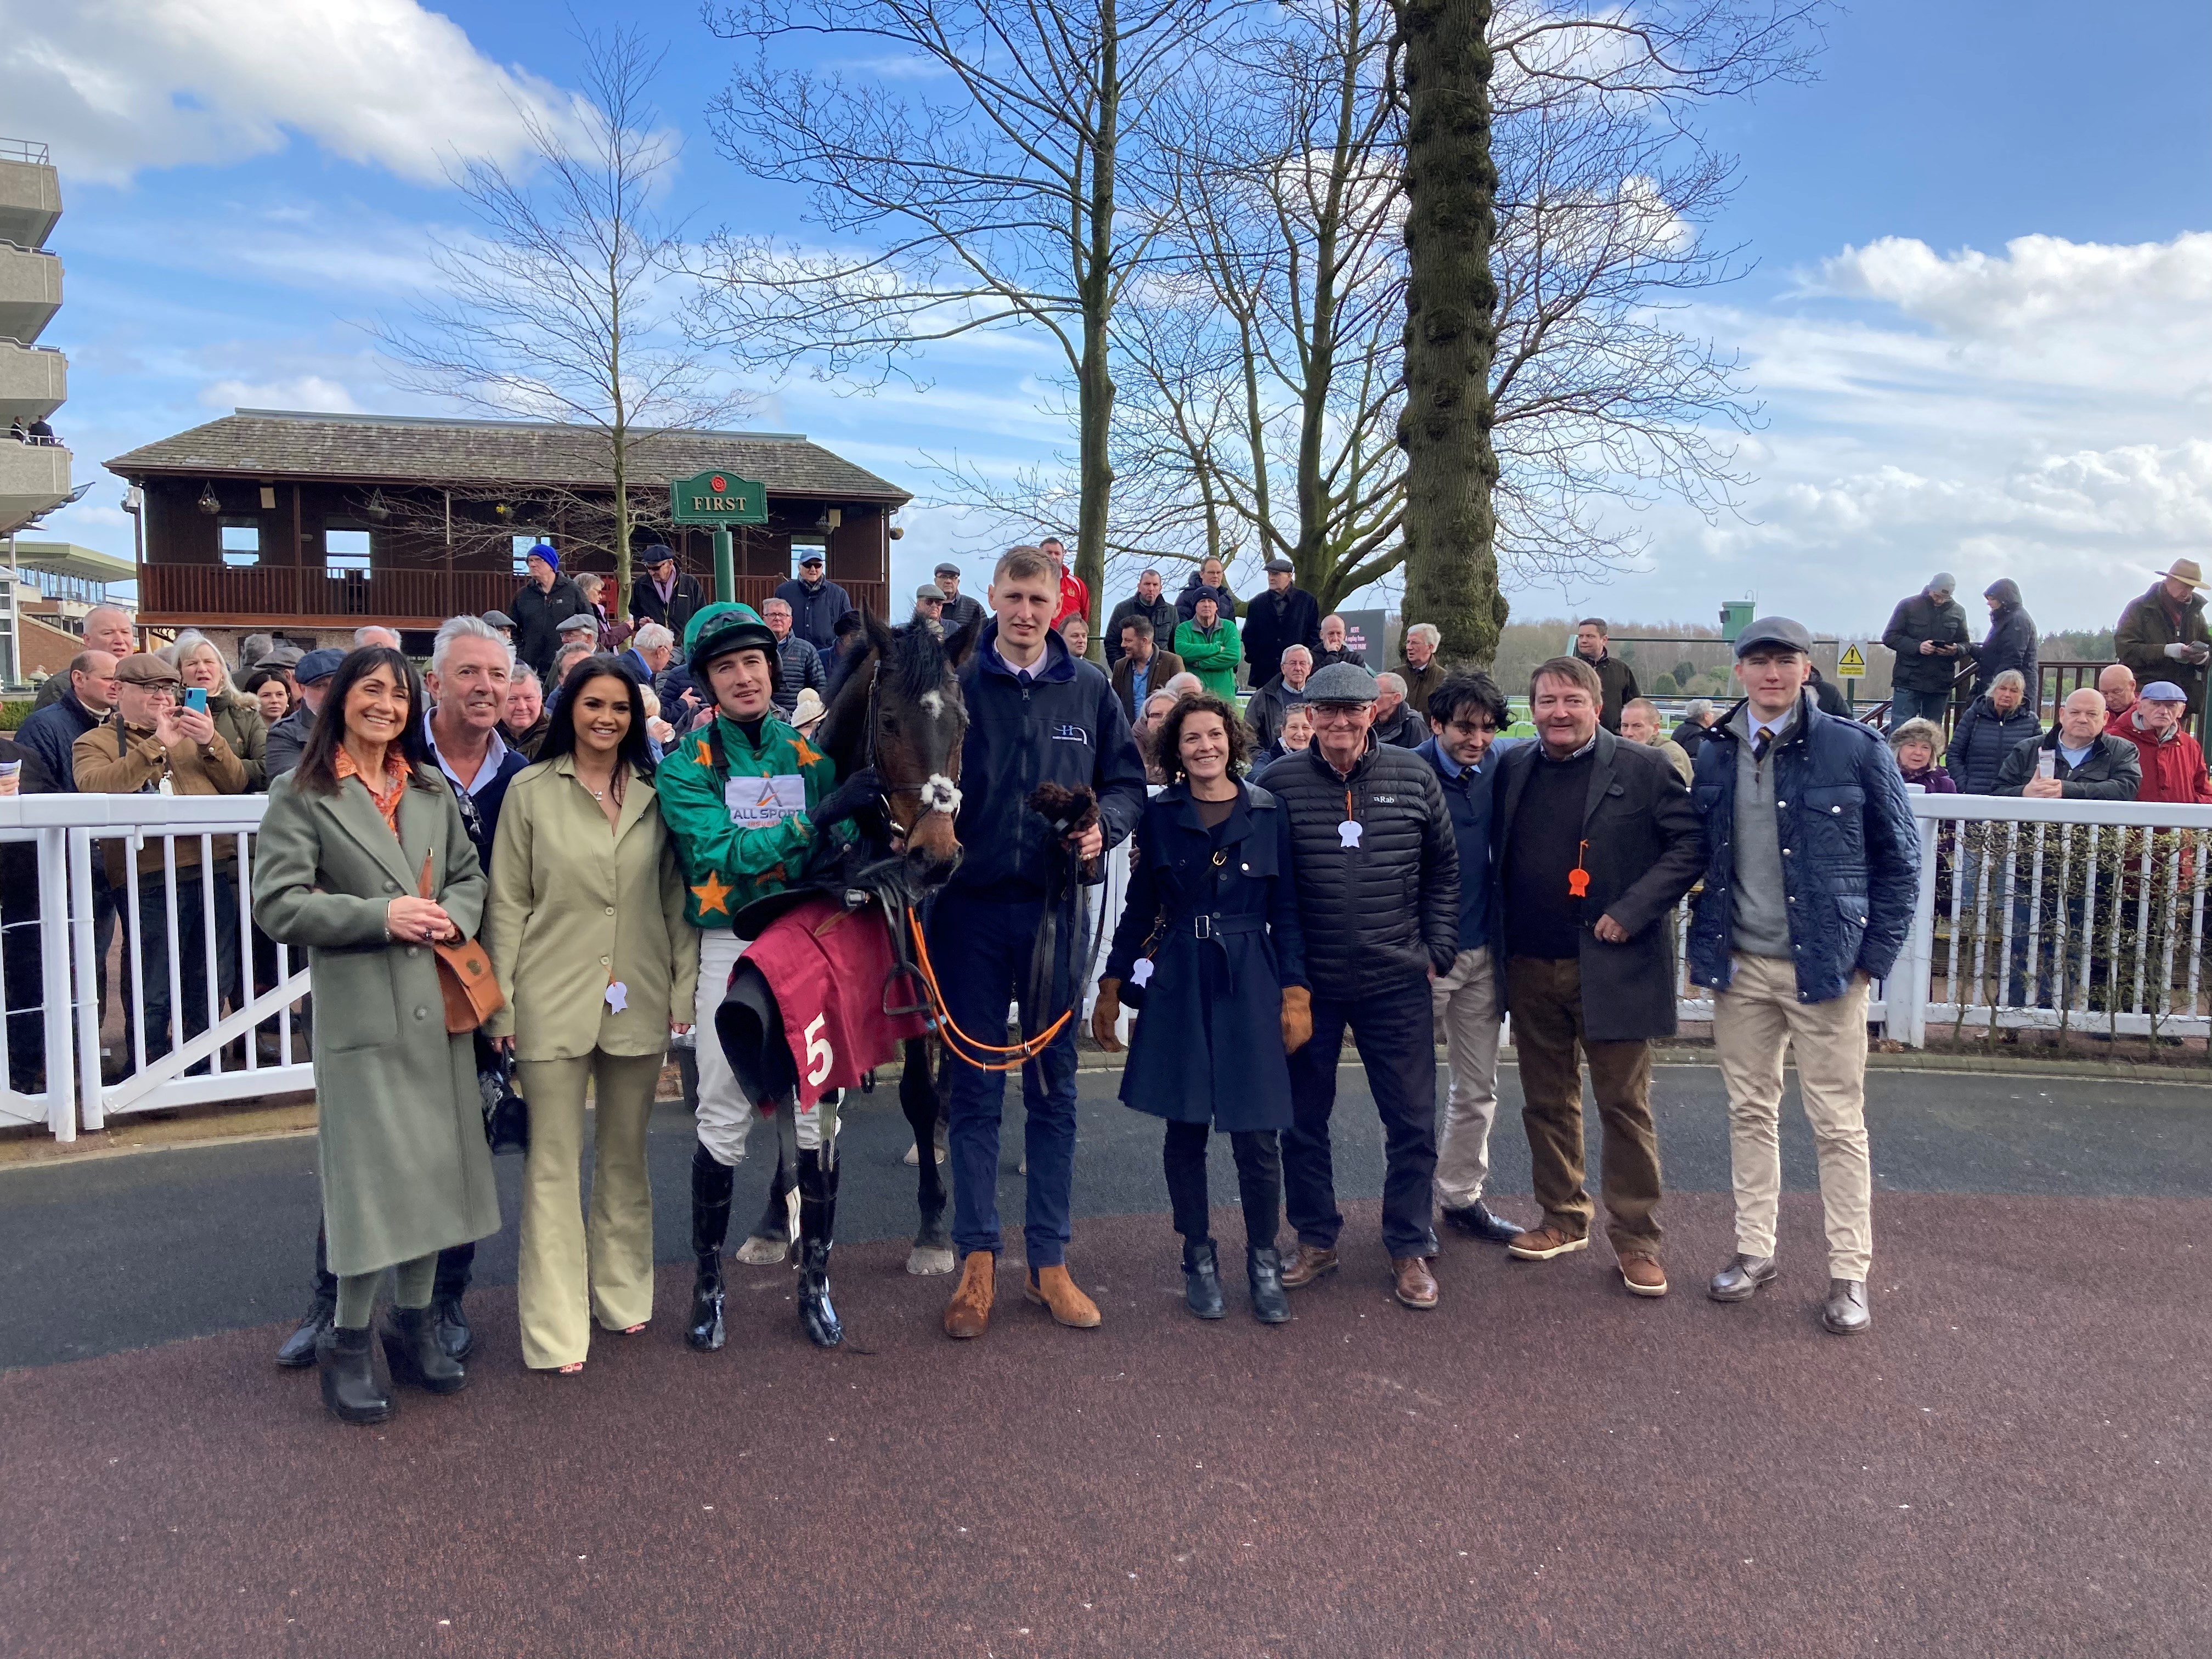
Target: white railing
[192,925]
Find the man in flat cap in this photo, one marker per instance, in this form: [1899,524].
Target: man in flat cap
[1928,634]
[288,738]
[961,609]
[151,746]
[1285,616]
[1378,890]
[1812,861]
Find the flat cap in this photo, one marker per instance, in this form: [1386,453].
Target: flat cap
[280,655]
[144,668]
[929,593]
[1283,565]
[1342,681]
[2163,691]
[318,664]
[1771,631]
[946,568]
[582,623]
[497,619]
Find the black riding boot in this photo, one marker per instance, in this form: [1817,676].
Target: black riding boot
[1201,1280]
[711,1183]
[818,1223]
[412,1344]
[348,1364]
[1263,1269]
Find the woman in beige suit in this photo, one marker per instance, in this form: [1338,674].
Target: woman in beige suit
[364,861]
[586,927]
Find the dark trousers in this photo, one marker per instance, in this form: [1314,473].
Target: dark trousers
[1546,999]
[1259,1183]
[981,950]
[1395,1028]
[190,1019]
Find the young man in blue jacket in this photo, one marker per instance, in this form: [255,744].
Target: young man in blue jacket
[1035,714]
[1812,861]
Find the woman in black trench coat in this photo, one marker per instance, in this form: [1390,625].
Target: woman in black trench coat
[1210,954]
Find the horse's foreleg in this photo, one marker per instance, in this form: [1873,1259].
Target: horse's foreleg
[932,1246]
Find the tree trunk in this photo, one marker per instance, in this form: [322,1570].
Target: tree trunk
[1095,378]
[1451,327]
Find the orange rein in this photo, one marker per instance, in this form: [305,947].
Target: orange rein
[957,1041]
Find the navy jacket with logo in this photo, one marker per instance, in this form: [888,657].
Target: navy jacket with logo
[1058,723]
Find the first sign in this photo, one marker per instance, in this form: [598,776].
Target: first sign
[718,498]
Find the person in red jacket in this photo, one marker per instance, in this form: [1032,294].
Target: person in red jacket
[2172,761]
[1074,592]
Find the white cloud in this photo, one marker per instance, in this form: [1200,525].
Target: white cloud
[2037,413]
[305,391]
[120,86]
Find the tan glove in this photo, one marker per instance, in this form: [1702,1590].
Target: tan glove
[1297,1017]
[1106,1014]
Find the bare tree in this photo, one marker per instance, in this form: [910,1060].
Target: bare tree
[1259,357]
[1660,60]
[988,188]
[563,307]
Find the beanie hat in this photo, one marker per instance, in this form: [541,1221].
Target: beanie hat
[544,551]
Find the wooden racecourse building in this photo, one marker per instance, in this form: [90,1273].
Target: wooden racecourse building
[278,520]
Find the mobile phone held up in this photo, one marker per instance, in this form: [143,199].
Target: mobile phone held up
[196,699]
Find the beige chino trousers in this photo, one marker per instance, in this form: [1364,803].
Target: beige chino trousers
[569,1273]
[1466,1001]
[1755,1021]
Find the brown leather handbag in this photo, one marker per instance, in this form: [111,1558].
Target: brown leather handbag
[464,977]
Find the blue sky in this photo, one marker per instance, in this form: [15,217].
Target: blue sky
[1938,391]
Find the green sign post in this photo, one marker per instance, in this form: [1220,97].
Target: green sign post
[719,499]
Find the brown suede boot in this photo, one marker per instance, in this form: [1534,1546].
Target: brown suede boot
[1052,1288]
[969,1313]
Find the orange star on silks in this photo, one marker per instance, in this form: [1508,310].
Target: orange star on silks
[706,753]
[808,756]
[712,894]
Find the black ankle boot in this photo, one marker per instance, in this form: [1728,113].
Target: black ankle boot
[351,1389]
[711,1183]
[299,1350]
[1270,1304]
[818,1220]
[412,1344]
[450,1325]
[1201,1280]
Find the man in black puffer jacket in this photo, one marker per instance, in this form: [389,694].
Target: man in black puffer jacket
[1377,873]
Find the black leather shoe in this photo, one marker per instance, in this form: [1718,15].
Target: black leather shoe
[299,1350]
[1476,1220]
[818,1220]
[414,1346]
[1845,1310]
[452,1326]
[1263,1270]
[1740,1279]
[1201,1280]
[351,1389]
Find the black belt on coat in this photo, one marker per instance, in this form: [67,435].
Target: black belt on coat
[1206,926]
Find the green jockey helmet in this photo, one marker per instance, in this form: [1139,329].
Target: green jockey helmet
[719,629]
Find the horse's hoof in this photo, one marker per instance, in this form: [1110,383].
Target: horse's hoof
[913,1156]
[761,1252]
[928,1260]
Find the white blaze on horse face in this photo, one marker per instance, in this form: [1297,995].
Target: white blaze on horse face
[941,794]
[934,703]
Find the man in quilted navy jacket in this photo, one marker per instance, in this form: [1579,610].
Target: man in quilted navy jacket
[1813,860]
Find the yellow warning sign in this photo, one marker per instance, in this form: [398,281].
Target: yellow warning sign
[1850,665]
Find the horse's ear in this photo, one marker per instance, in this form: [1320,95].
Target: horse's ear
[957,647]
[879,633]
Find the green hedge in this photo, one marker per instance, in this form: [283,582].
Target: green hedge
[13,713]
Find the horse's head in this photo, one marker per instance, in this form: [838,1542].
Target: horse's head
[899,709]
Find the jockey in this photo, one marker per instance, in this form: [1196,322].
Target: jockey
[745,798]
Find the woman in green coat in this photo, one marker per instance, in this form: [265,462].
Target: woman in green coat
[586,929]
[236,715]
[1209,647]
[340,870]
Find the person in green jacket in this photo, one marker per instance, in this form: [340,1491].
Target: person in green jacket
[1209,647]
[747,799]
